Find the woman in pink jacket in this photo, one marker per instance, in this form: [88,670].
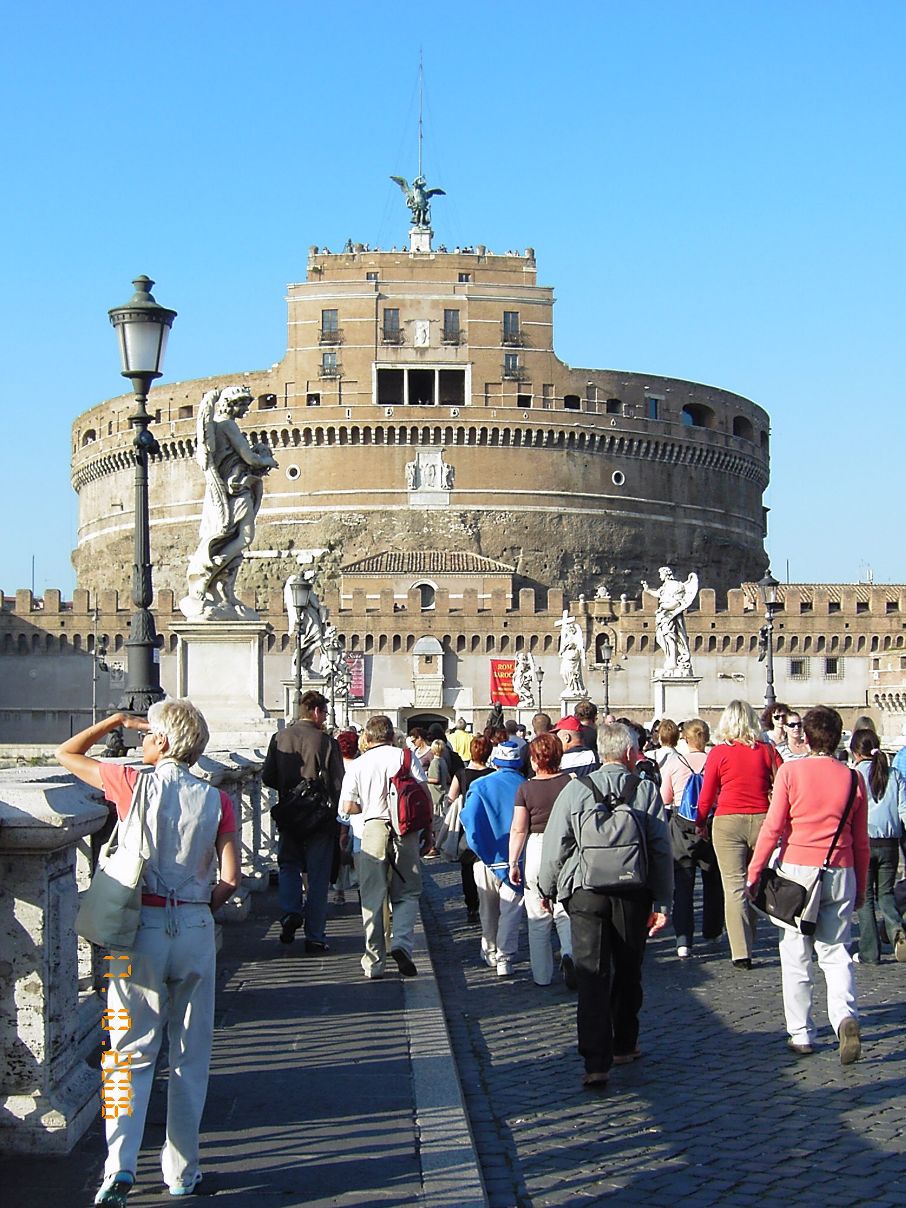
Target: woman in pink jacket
[809,799]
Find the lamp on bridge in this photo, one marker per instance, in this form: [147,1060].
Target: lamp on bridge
[770,598]
[300,591]
[142,328]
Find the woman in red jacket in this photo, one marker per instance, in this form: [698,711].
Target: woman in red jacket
[739,773]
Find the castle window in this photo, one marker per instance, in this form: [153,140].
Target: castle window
[266,402]
[547,395]
[743,427]
[511,332]
[511,364]
[330,327]
[651,407]
[613,406]
[329,364]
[861,606]
[451,332]
[186,412]
[465,278]
[833,668]
[833,606]
[798,668]
[696,415]
[372,277]
[523,400]
[571,402]
[805,606]
[313,400]
[89,437]
[427,596]
[390,326]
[893,606]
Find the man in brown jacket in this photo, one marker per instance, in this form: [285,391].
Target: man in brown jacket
[304,749]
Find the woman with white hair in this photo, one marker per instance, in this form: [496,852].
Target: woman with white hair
[739,773]
[192,869]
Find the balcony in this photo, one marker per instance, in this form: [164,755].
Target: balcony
[511,338]
[330,335]
[452,336]
[391,335]
[330,371]
[513,373]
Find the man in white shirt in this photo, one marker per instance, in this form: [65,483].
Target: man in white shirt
[388,865]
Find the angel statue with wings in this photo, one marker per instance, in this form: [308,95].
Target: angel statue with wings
[418,199]
[673,598]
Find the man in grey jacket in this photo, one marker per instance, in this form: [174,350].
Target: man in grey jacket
[608,927]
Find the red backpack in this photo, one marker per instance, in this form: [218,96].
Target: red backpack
[413,809]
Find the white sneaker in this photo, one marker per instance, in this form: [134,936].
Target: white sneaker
[489,956]
[682,952]
[504,968]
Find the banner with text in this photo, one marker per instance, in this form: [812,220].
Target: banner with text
[502,682]
[356,665]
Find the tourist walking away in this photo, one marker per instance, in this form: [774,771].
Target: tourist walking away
[388,866]
[886,790]
[606,857]
[811,797]
[739,773]
[681,783]
[304,765]
[480,752]
[487,815]
[460,739]
[534,801]
[577,758]
[192,869]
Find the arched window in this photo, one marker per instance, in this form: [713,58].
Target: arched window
[427,595]
[697,415]
[743,427]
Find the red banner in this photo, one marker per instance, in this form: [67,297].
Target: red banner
[356,665]
[502,682]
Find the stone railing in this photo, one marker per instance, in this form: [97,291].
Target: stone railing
[51,982]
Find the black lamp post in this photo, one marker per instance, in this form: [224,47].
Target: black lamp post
[606,656]
[142,328]
[334,651]
[300,590]
[540,674]
[769,595]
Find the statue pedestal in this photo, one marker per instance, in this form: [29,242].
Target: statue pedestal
[420,239]
[220,667]
[568,702]
[676,696]
[317,683]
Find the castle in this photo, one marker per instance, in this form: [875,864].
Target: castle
[459,486]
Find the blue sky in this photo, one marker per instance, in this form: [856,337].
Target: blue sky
[715,189]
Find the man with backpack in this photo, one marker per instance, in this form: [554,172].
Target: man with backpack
[606,856]
[304,765]
[379,786]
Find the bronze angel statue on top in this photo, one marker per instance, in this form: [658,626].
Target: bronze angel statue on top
[418,199]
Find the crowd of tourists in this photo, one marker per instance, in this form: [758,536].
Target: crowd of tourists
[592,829]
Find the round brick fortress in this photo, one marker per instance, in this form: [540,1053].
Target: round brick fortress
[570,476]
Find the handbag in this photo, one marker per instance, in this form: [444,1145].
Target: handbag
[790,903]
[451,839]
[110,908]
[307,808]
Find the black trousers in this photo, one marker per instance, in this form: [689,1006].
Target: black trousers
[608,934]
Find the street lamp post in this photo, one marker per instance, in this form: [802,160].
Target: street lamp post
[769,595]
[540,674]
[300,590]
[142,328]
[334,651]
[606,656]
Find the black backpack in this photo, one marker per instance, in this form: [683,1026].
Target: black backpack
[613,853]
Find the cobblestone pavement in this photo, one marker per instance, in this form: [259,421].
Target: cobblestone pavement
[716,1112]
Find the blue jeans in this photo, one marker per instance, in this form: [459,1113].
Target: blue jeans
[315,856]
[882,872]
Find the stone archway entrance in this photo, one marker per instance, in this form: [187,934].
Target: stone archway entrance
[425,721]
